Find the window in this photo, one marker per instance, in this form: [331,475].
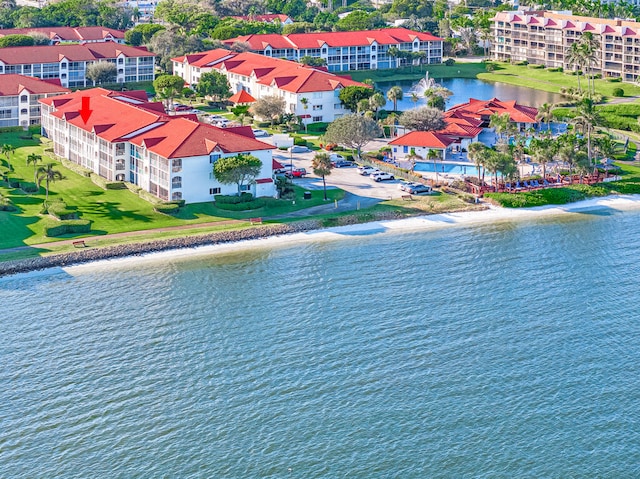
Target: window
[176,182]
[176,165]
[405,149]
[176,195]
[245,187]
[214,157]
[316,118]
[63,65]
[214,191]
[24,111]
[24,98]
[317,107]
[120,61]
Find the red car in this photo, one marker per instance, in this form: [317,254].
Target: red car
[296,173]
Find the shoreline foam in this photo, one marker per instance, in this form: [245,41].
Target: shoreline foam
[310,230]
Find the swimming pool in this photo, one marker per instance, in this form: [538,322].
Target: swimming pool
[447,168]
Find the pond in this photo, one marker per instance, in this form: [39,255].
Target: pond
[465,88]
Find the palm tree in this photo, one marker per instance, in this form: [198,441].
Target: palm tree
[394,94]
[477,153]
[587,118]
[377,101]
[7,151]
[575,58]
[321,165]
[49,175]
[415,98]
[545,113]
[500,123]
[589,45]
[305,104]
[434,155]
[394,53]
[543,151]
[35,159]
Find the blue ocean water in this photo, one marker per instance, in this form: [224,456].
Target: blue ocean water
[509,349]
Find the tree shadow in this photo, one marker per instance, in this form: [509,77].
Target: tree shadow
[109,209]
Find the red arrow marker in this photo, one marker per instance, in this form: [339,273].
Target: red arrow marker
[85,112]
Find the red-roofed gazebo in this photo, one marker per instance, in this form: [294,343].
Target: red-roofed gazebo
[242,98]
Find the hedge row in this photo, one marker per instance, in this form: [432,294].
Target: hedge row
[247,205]
[233,199]
[106,184]
[61,211]
[76,168]
[58,228]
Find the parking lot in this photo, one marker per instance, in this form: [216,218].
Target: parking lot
[347,179]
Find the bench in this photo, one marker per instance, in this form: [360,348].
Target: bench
[407,197]
[255,221]
[79,244]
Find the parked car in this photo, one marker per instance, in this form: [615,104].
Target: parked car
[367,170]
[419,188]
[258,133]
[381,176]
[336,157]
[181,107]
[296,173]
[297,149]
[286,167]
[341,163]
[406,186]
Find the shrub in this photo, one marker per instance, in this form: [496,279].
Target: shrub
[318,127]
[299,141]
[617,92]
[6,205]
[167,208]
[28,187]
[233,199]
[523,63]
[614,79]
[490,67]
[245,205]
[554,69]
[449,62]
[106,184]
[535,67]
[61,211]
[263,124]
[58,228]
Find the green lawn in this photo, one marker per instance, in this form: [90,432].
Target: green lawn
[542,79]
[111,211]
[441,71]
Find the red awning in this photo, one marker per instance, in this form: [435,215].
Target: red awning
[276,165]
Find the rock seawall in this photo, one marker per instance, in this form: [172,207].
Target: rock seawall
[134,249]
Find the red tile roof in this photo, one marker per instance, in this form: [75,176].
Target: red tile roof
[12,85]
[115,119]
[77,34]
[482,109]
[387,36]
[424,139]
[72,52]
[241,97]
[286,75]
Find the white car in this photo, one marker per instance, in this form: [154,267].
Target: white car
[336,157]
[367,170]
[259,133]
[381,176]
[298,149]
